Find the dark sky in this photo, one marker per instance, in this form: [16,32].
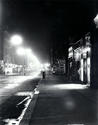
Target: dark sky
[44,22]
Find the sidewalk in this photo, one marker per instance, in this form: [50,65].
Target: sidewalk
[58,105]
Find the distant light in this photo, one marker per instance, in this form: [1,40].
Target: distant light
[47,64]
[32,60]
[96,20]
[21,51]
[16,40]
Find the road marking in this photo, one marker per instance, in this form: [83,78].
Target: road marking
[23,101]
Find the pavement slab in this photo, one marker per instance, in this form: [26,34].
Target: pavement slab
[56,106]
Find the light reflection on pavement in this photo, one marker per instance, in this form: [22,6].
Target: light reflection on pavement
[10,83]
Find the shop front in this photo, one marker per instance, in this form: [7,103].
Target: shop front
[79,60]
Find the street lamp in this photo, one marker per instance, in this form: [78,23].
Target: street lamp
[30,60]
[16,40]
[20,51]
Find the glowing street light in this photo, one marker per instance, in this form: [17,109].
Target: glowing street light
[30,59]
[47,64]
[20,51]
[16,40]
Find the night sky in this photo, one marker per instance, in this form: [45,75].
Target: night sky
[44,23]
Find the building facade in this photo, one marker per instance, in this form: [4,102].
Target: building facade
[79,60]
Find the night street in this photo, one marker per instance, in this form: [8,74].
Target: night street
[48,62]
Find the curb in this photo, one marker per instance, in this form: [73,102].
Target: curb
[27,116]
